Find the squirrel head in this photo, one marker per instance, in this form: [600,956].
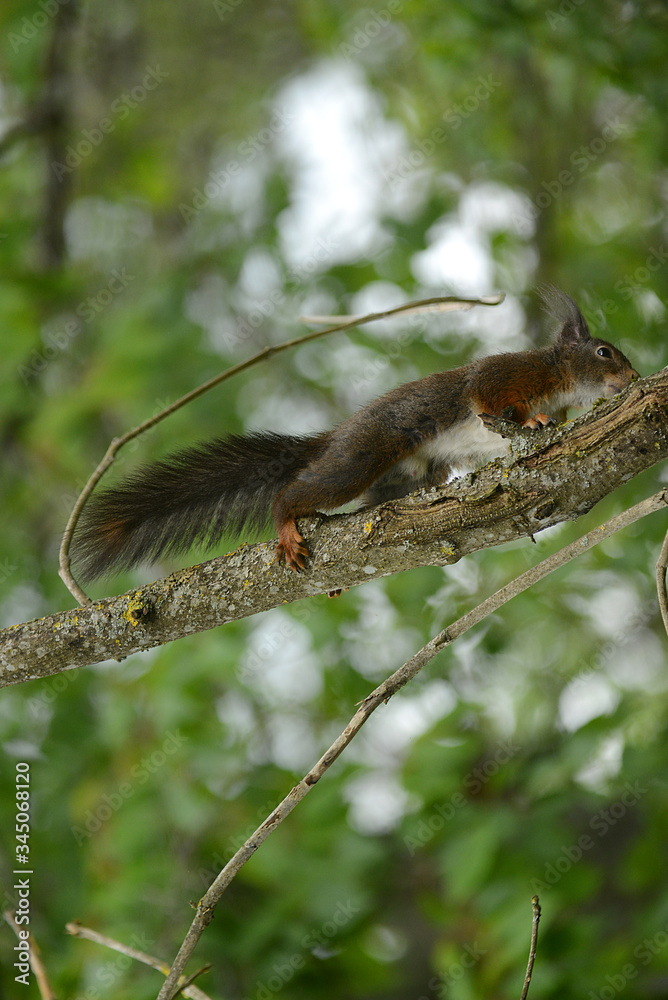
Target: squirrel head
[596,367]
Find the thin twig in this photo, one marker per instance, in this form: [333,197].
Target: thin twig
[661,567]
[43,984]
[184,989]
[267,352]
[208,902]
[440,303]
[78,930]
[535,906]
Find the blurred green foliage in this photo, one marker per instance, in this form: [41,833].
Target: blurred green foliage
[179,182]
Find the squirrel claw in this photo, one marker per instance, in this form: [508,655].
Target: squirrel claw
[539,420]
[292,547]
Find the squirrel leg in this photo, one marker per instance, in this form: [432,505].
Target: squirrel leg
[303,497]
[341,473]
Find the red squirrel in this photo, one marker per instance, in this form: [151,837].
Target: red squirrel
[409,438]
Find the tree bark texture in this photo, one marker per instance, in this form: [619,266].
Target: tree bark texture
[549,477]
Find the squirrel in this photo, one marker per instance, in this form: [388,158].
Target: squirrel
[411,437]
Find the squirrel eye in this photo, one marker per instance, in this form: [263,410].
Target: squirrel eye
[604,352]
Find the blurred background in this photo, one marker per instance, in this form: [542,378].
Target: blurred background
[178,184]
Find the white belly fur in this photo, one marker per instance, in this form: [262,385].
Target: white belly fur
[469,444]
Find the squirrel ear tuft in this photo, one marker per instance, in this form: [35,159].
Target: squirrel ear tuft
[573,329]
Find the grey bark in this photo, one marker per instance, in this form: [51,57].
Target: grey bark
[550,476]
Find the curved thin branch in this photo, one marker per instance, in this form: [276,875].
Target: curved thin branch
[442,303]
[209,901]
[78,930]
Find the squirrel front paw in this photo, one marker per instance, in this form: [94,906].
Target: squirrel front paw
[538,421]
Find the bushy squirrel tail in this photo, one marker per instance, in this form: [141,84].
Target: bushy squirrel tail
[192,497]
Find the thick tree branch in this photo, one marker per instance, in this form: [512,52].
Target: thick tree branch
[553,476]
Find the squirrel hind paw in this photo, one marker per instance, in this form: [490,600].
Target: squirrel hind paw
[292,547]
